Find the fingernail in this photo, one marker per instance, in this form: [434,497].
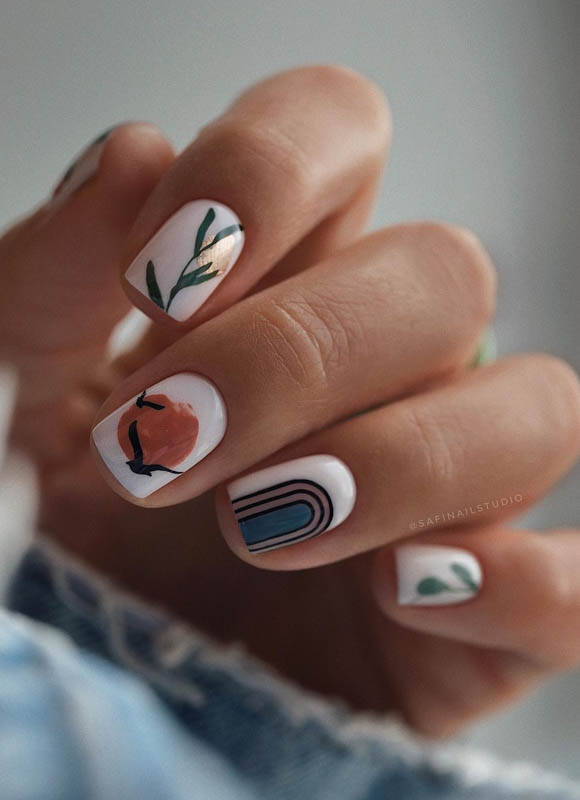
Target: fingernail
[288,503]
[429,575]
[188,257]
[83,168]
[161,433]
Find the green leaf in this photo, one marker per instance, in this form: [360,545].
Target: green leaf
[153,286]
[432,586]
[197,276]
[192,279]
[202,278]
[465,575]
[231,229]
[226,232]
[202,231]
[201,273]
[198,270]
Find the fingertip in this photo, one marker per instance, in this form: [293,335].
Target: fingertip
[135,157]
[274,516]
[113,175]
[416,577]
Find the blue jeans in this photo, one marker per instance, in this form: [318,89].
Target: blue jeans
[139,706]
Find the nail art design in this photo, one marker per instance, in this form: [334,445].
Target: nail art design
[161,433]
[188,257]
[292,502]
[83,168]
[145,437]
[436,575]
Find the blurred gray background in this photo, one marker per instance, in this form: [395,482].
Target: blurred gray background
[485,97]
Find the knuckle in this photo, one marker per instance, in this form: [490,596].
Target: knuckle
[272,350]
[556,586]
[553,599]
[258,151]
[436,454]
[308,339]
[556,386]
[347,87]
[562,376]
[464,266]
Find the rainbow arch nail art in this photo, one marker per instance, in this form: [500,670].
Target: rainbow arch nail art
[292,502]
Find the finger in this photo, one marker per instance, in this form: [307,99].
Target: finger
[64,265]
[483,447]
[60,267]
[303,354]
[440,684]
[512,590]
[296,156]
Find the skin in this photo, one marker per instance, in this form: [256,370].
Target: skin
[297,329]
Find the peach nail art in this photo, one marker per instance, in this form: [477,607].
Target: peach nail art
[161,433]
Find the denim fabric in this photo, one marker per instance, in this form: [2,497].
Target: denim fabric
[73,722]
[73,726]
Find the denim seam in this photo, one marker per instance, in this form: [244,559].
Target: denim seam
[173,686]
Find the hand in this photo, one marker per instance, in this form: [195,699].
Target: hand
[346,366]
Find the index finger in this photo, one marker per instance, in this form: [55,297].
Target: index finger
[299,153]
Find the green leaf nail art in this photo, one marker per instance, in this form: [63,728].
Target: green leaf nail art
[221,235]
[152,285]
[202,230]
[465,575]
[432,586]
[198,275]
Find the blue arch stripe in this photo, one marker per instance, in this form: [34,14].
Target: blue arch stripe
[276,522]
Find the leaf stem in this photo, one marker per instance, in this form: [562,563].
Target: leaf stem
[182,273]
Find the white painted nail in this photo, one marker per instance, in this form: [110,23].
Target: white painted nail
[161,433]
[288,503]
[429,575]
[188,258]
[83,168]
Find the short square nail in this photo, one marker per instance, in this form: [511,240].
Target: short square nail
[187,259]
[429,575]
[161,433]
[291,502]
[83,168]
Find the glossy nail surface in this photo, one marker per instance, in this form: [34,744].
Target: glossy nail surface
[161,433]
[290,502]
[436,575]
[188,258]
[83,168]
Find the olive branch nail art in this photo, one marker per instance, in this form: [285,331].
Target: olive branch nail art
[432,585]
[201,273]
[436,574]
